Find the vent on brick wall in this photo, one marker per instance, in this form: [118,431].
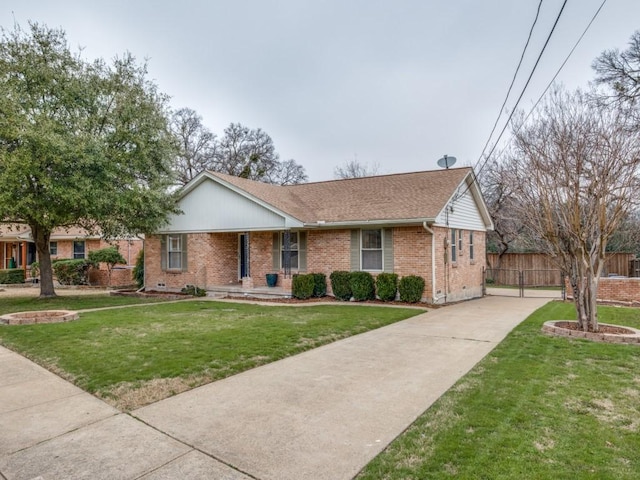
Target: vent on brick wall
[160,285]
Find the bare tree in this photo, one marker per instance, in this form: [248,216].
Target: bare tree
[620,71]
[196,145]
[509,230]
[355,169]
[246,153]
[575,166]
[287,173]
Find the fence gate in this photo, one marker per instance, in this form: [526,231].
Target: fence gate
[524,283]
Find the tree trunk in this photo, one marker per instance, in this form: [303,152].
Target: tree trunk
[41,236]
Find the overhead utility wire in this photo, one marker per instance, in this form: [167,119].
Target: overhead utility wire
[575,45]
[524,88]
[517,101]
[513,80]
[565,61]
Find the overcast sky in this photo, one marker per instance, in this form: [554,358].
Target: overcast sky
[394,83]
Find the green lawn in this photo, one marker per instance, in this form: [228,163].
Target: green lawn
[137,355]
[68,302]
[537,407]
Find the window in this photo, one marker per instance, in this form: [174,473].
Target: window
[460,242]
[53,248]
[371,249]
[174,252]
[454,245]
[294,251]
[470,245]
[78,249]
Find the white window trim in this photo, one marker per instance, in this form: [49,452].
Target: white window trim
[381,249]
[471,246]
[84,249]
[170,251]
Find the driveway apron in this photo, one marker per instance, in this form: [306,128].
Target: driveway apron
[326,413]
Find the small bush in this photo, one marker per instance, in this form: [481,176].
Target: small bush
[387,286]
[362,285]
[319,284]
[302,286]
[411,288]
[194,291]
[34,269]
[72,272]
[13,275]
[138,270]
[340,285]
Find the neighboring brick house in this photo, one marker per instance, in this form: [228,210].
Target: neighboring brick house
[17,250]
[234,231]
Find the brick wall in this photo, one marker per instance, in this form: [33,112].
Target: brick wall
[624,290]
[213,260]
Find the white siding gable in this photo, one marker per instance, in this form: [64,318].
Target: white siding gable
[465,214]
[212,207]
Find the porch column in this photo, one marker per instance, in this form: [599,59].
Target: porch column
[24,258]
[286,247]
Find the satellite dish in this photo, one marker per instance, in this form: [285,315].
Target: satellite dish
[446,161]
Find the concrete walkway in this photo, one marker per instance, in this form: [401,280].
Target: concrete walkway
[323,414]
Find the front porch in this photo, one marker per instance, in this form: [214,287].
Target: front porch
[250,292]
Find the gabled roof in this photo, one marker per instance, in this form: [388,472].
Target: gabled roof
[18,232]
[418,196]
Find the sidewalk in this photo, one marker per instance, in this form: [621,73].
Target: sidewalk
[321,414]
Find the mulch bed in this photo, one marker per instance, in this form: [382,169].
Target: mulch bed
[608,329]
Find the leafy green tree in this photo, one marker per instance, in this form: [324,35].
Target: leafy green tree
[110,256]
[81,143]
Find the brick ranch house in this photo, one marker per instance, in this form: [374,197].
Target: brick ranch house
[234,231]
[17,250]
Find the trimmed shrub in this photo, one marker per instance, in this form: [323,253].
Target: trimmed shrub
[34,269]
[194,291]
[138,270]
[13,275]
[362,285]
[72,272]
[302,286]
[340,284]
[387,286]
[411,288]
[319,284]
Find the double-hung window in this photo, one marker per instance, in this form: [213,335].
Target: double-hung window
[53,248]
[174,252]
[471,245]
[371,250]
[78,249]
[454,246]
[294,251]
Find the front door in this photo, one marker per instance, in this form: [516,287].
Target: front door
[243,256]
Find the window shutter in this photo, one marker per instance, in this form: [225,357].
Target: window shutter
[387,238]
[276,251]
[302,251]
[355,250]
[163,252]
[183,246]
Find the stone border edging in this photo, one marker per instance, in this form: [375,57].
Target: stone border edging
[550,328]
[41,316]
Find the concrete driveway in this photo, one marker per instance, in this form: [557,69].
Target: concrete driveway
[323,414]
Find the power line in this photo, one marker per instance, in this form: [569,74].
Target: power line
[513,80]
[562,65]
[524,88]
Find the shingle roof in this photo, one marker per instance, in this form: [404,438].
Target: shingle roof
[418,195]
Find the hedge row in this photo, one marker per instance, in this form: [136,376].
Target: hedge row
[13,275]
[361,286]
[309,285]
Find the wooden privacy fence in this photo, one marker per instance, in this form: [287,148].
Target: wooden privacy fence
[615,264]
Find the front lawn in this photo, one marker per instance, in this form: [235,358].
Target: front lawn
[537,407]
[137,355]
